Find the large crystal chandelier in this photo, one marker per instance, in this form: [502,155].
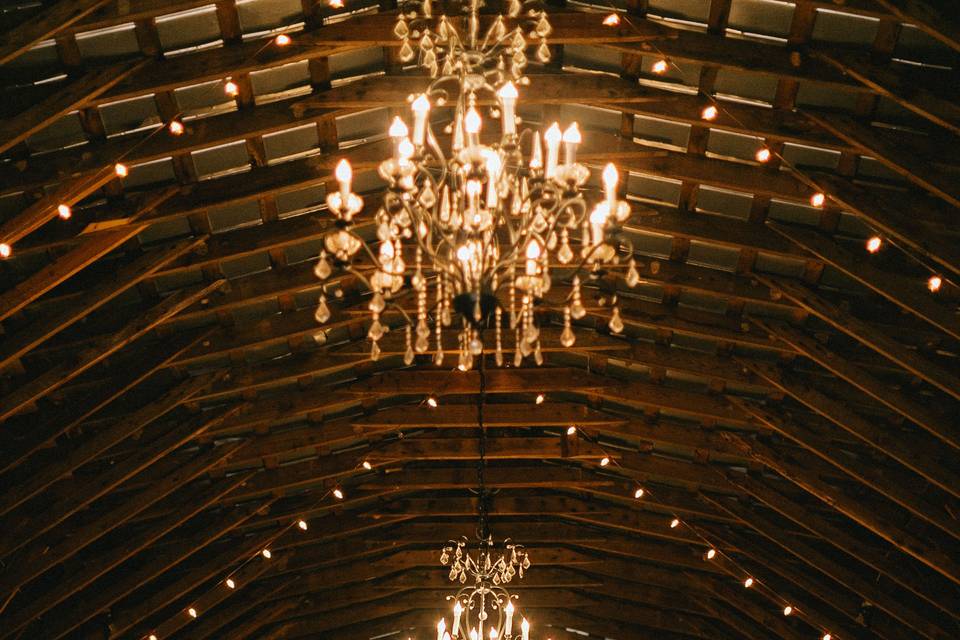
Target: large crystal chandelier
[483,608]
[473,224]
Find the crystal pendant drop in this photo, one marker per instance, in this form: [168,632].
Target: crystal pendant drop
[323,311]
[517,358]
[401,30]
[543,27]
[422,344]
[406,51]
[632,277]
[408,355]
[375,352]
[538,355]
[322,269]
[376,330]
[616,323]
[567,337]
[377,303]
[543,52]
[564,253]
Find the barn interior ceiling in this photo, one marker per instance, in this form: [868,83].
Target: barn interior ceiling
[767,449]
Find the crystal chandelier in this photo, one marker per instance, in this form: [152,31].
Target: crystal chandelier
[483,609]
[473,226]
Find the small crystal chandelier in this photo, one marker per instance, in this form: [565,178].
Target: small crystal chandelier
[475,232]
[485,606]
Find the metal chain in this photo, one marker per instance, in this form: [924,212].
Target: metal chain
[484,496]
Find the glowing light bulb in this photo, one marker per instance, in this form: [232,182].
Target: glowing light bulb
[230,583]
[612,20]
[152,637]
[711,554]
[266,554]
[709,113]
[571,138]
[638,493]
[121,170]
[64,211]
[604,461]
[818,199]
[405,149]
[827,636]
[763,155]
[5,250]
[192,612]
[874,244]
[660,67]
[441,629]
[525,629]
[472,122]
[302,524]
[674,523]
[493,634]
[552,137]
[571,430]
[432,400]
[934,283]
[283,40]
[787,610]
[344,174]
[231,89]
[175,127]
[366,465]
[540,398]
[335,4]
[420,108]
[748,583]
[610,178]
[532,253]
[338,494]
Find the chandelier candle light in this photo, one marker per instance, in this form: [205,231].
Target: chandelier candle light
[484,607]
[476,228]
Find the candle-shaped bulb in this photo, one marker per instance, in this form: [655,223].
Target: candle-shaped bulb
[493,634]
[446,635]
[457,612]
[471,125]
[441,628]
[405,149]
[508,624]
[398,129]
[533,250]
[420,107]
[552,138]
[525,629]
[610,178]
[571,138]
[508,100]
[536,153]
[344,175]
[473,634]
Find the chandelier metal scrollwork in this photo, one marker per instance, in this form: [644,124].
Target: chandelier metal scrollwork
[483,609]
[476,231]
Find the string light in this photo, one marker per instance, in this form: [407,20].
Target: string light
[612,20]
[335,4]
[152,637]
[711,554]
[266,554]
[283,40]
[338,493]
[230,583]
[748,583]
[827,636]
[787,610]
[874,244]
[638,493]
[5,250]
[432,401]
[709,113]
[302,524]
[605,461]
[660,67]
[571,430]
[818,199]
[674,523]
[540,398]
[366,465]
[192,612]
[763,155]
[175,127]
[64,211]
[934,283]
[231,89]
[121,170]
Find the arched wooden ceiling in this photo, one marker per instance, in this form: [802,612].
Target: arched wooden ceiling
[171,409]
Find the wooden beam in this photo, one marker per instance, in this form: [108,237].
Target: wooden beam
[872,142]
[931,16]
[53,378]
[18,344]
[901,570]
[81,576]
[936,424]
[860,331]
[809,555]
[51,19]
[102,441]
[908,294]
[921,549]
[37,560]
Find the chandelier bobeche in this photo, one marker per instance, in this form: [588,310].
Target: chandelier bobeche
[483,609]
[484,224]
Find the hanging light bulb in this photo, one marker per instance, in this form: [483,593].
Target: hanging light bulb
[711,554]
[934,283]
[366,465]
[266,554]
[432,401]
[638,493]
[787,610]
[121,170]
[338,493]
[5,250]
[230,583]
[612,20]
[192,612]
[748,583]
[709,113]
[818,199]
[763,155]
[674,523]
[660,67]
[64,211]
[302,524]
[540,398]
[231,89]
[874,243]
[571,430]
[282,40]
[175,128]
[604,461]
